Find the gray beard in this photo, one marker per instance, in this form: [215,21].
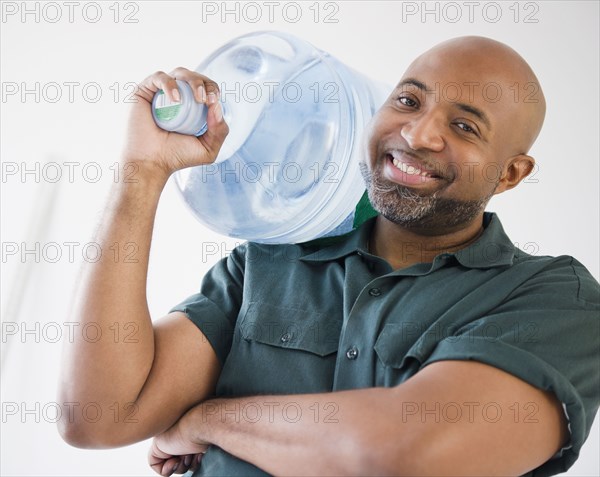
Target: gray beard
[402,206]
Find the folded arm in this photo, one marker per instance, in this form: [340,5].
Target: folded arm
[452,418]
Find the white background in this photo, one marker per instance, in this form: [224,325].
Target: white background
[558,214]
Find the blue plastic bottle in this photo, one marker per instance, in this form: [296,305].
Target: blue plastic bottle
[288,170]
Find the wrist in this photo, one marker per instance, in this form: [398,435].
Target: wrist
[142,172]
[138,188]
[196,425]
[209,421]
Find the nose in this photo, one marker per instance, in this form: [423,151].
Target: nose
[424,132]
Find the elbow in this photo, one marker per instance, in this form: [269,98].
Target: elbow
[89,426]
[77,435]
[72,426]
[82,436]
[89,435]
[74,435]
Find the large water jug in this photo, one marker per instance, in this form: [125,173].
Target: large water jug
[288,171]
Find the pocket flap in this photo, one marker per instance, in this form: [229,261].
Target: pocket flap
[293,328]
[395,345]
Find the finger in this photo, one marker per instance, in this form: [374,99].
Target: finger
[162,468]
[212,91]
[159,80]
[157,467]
[201,85]
[175,466]
[155,454]
[185,463]
[217,130]
[166,467]
[197,459]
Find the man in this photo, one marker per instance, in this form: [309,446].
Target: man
[423,343]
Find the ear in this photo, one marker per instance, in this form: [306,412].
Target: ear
[517,168]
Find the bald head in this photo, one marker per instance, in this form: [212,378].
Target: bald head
[473,59]
[455,131]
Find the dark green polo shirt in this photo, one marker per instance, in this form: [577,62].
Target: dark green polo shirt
[313,318]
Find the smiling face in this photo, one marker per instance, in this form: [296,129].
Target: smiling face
[454,131]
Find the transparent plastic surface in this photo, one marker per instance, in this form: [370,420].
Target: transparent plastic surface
[288,171]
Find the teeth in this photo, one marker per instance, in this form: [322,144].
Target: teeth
[409,169]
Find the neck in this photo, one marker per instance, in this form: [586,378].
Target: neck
[403,247]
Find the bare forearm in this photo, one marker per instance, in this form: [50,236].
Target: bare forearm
[311,434]
[111,360]
[420,427]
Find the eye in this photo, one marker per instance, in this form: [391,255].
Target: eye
[406,101]
[466,128]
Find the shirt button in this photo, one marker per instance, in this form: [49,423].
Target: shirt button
[285,337]
[374,292]
[352,353]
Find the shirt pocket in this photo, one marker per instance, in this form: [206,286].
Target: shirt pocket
[290,328]
[286,349]
[398,355]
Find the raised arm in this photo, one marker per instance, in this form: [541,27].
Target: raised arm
[129,378]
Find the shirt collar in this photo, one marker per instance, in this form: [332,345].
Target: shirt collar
[492,249]
[332,248]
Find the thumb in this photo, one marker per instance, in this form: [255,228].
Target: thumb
[217,130]
[156,455]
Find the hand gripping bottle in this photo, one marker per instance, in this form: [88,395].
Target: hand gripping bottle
[288,171]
